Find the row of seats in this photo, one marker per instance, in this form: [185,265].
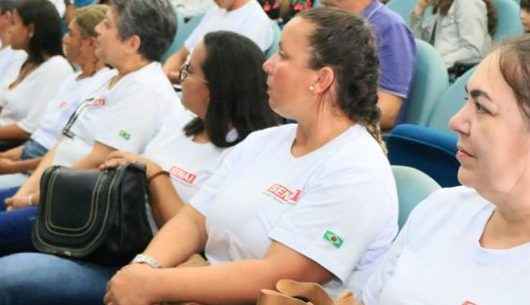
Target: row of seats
[433,101]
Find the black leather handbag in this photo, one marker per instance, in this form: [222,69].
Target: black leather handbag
[93,215]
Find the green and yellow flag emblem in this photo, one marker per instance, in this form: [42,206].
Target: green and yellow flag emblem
[125,135]
[333,238]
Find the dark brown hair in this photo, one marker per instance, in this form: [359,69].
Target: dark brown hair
[238,91]
[344,42]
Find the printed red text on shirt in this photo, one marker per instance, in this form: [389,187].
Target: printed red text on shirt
[183,175]
[283,194]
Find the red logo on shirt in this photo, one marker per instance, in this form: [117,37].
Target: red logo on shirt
[98,102]
[468,303]
[283,194]
[182,175]
[63,104]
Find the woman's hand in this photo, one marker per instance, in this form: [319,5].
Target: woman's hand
[21,201]
[132,285]
[118,158]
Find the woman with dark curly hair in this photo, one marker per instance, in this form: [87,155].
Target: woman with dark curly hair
[314,200]
[461,30]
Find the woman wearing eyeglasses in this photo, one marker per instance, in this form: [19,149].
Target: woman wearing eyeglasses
[179,159]
[226,114]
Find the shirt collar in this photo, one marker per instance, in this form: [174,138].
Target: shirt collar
[371,9]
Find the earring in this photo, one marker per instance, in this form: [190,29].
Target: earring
[312,88]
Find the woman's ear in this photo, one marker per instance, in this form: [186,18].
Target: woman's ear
[31,30]
[326,78]
[134,42]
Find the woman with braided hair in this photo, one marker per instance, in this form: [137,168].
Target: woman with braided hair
[313,201]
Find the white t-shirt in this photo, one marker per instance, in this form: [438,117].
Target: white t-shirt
[10,63]
[437,258]
[336,205]
[189,8]
[71,94]
[189,163]
[249,20]
[26,103]
[125,117]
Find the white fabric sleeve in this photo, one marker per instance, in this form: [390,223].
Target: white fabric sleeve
[320,214]
[471,21]
[54,79]
[130,125]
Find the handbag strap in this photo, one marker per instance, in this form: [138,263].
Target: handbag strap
[67,128]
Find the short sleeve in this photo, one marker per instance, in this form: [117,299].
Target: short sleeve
[130,125]
[55,77]
[397,55]
[317,226]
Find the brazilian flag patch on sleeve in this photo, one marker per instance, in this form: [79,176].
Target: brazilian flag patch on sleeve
[125,135]
[333,238]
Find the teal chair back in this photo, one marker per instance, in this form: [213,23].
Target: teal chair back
[403,8]
[508,21]
[184,29]
[81,3]
[429,82]
[276,42]
[413,186]
[450,103]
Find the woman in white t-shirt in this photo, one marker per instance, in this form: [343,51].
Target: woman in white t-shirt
[127,111]
[79,47]
[180,158]
[10,60]
[124,113]
[36,29]
[313,201]
[226,114]
[471,244]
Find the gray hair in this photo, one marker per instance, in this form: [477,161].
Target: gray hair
[154,21]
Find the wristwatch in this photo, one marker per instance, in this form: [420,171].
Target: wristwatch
[146,259]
